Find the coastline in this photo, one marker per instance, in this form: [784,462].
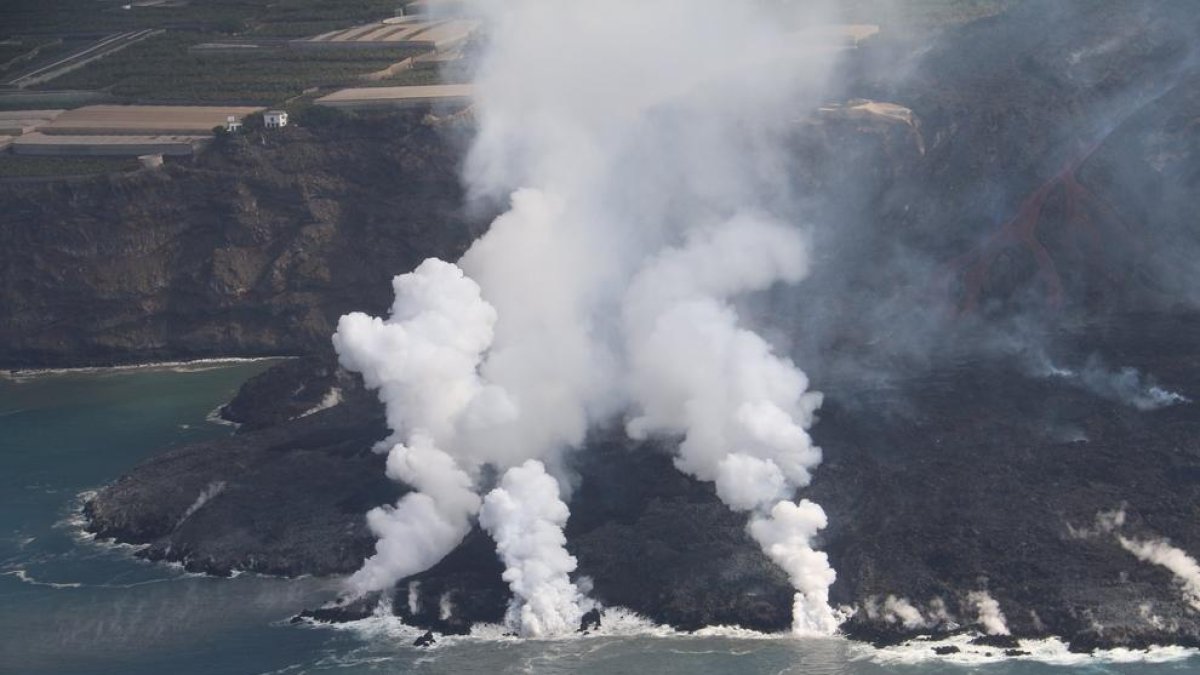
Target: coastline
[188,365]
[620,622]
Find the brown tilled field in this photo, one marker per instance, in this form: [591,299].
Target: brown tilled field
[118,145]
[398,97]
[144,119]
[415,33]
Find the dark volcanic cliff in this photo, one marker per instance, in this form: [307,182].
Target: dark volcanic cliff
[255,247]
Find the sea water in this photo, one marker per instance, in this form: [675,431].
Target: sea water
[69,604]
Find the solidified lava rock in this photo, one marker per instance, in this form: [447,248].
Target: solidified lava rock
[958,480]
[1004,641]
[590,621]
[946,650]
[960,475]
[341,612]
[286,391]
[287,500]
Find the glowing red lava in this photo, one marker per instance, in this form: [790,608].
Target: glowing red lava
[975,267]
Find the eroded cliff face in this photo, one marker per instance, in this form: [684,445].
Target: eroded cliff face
[255,247]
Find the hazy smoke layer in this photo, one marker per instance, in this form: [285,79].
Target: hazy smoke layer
[526,517]
[642,148]
[1125,385]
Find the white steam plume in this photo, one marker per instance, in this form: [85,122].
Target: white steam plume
[1178,562]
[1156,551]
[900,609]
[526,517]
[786,535]
[642,145]
[422,359]
[742,409]
[990,617]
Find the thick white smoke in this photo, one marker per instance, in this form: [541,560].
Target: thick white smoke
[641,145]
[447,420]
[422,359]
[991,618]
[742,410]
[786,534]
[526,517]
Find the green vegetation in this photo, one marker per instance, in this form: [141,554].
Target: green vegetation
[160,69]
[17,54]
[302,18]
[20,166]
[287,18]
[24,99]
[16,51]
[418,76]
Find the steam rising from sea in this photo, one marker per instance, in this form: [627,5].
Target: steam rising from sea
[642,167]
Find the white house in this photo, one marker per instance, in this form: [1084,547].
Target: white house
[274,119]
[233,124]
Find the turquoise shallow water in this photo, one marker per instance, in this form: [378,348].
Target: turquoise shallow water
[69,605]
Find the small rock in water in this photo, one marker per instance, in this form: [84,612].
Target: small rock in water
[1015,652]
[426,640]
[590,621]
[946,649]
[1001,641]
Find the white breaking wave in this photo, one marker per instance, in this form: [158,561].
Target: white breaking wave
[25,577]
[1051,651]
[616,622]
[195,365]
[619,622]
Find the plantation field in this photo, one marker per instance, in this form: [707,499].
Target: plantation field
[161,70]
[284,18]
[20,166]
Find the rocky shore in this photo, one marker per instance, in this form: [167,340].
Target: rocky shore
[976,478]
